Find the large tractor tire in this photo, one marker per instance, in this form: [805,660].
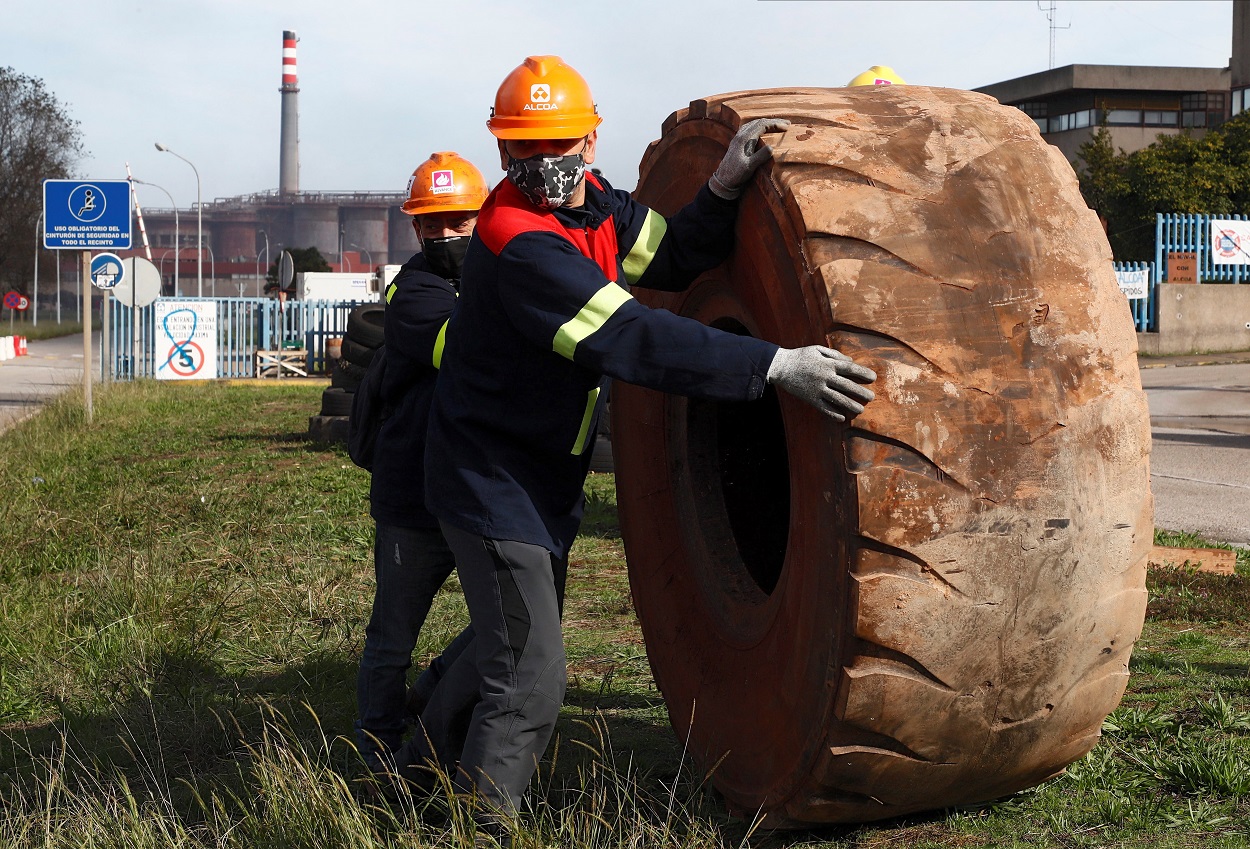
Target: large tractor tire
[934,604]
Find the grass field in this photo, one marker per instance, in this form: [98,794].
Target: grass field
[46,329]
[185,587]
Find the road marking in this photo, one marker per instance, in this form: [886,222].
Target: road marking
[1198,480]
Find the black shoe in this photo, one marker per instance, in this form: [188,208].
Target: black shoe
[491,840]
[417,771]
[381,782]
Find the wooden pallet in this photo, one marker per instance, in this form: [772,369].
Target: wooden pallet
[1217,561]
[280,363]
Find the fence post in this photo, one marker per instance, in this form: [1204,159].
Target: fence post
[1158,246]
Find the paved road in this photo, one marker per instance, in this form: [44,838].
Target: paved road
[52,366]
[1200,459]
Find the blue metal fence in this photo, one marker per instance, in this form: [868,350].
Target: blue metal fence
[244,326]
[1192,233]
[1145,311]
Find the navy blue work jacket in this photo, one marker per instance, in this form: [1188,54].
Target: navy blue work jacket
[544,315]
[418,303]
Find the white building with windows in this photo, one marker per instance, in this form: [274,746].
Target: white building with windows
[1136,103]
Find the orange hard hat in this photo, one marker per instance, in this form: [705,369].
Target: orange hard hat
[543,99]
[446,182]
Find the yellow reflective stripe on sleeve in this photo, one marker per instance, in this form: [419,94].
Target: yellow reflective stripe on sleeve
[648,242]
[439,342]
[592,398]
[601,306]
[390,292]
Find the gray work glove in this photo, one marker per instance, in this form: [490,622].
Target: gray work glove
[744,155]
[819,376]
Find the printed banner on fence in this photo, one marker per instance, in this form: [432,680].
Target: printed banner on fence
[1134,284]
[186,340]
[1230,242]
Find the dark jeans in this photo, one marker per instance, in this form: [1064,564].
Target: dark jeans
[410,565]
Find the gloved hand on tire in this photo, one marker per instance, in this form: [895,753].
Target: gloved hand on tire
[829,380]
[744,155]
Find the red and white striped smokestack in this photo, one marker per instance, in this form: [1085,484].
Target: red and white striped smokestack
[288,153]
[290,77]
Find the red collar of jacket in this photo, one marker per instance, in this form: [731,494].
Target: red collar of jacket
[506,214]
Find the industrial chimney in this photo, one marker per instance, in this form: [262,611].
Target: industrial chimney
[288,156]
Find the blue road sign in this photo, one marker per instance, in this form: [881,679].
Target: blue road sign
[107,271]
[88,215]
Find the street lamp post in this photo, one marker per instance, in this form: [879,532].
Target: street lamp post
[368,256]
[199,223]
[38,245]
[259,288]
[177,241]
[212,270]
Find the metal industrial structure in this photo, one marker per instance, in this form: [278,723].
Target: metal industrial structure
[236,229]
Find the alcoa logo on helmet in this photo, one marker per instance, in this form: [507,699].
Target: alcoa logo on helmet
[441,183]
[540,98]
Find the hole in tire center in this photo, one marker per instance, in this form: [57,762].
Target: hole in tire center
[741,475]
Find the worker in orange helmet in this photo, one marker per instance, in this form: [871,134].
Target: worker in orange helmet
[877,75]
[545,318]
[411,558]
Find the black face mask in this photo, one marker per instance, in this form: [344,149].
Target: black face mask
[446,255]
[548,182]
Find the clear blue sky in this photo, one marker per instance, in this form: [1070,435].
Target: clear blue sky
[387,82]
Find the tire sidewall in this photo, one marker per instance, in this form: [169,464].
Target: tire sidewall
[715,642]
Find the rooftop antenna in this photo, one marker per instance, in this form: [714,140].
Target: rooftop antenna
[1049,9]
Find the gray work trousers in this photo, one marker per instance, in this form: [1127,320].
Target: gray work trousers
[409,565]
[515,593]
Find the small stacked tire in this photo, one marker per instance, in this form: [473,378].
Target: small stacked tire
[365,334]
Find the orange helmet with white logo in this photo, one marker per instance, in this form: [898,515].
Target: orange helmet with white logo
[446,182]
[877,75]
[543,99]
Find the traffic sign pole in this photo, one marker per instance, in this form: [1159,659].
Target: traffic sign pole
[106,351]
[86,332]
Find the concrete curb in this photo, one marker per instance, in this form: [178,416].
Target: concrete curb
[1183,361]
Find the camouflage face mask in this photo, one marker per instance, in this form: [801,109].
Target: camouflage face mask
[547,182]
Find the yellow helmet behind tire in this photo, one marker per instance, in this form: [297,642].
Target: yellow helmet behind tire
[446,182]
[878,75]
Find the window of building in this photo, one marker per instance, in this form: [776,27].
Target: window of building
[1207,101]
[1239,101]
[1034,109]
[1205,109]
[1131,117]
[1159,118]
[1069,121]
